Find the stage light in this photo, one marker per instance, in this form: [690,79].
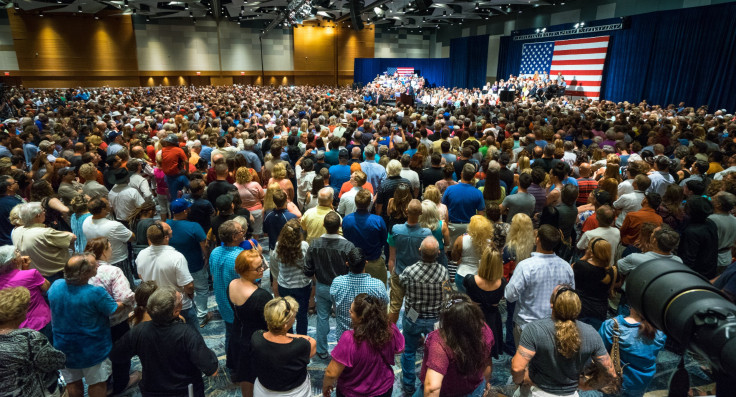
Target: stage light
[577,25]
[544,30]
[582,24]
[537,31]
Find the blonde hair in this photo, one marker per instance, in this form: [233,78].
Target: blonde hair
[433,194]
[279,171]
[491,264]
[480,231]
[523,163]
[268,198]
[277,316]
[566,308]
[14,216]
[243,176]
[88,171]
[521,236]
[430,217]
[601,250]
[13,304]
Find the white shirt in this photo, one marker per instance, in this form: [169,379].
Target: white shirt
[625,187]
[167,267]
[719,175]
[347,202]
[113,231]
[304,182]
[610,234]
[628,202]
[141,184]
[124,199]
[412,177]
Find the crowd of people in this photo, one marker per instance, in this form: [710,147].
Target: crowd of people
[122,210]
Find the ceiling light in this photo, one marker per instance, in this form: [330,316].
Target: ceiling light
[582,24]
[58,1]
[191,14]
[477,6]
[148,19]
[186,6]
[537,31]
[16,6]
[577,25]
[544,30]
[79,9]
[40,14]
[96,17]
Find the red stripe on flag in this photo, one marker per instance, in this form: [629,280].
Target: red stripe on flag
[586,51]
[578,62]
[582,41]
[578,72]
[583,93]
[579,83]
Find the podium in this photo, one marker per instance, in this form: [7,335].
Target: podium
[407,99]
[507,95]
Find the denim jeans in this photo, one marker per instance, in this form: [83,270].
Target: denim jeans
[190,316]
[478,392]
[201,292]
[459,283]
[176,183]
[509,347]
[413,331]
[301,295]
[324,305]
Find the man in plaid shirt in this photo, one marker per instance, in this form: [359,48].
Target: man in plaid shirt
[423,284]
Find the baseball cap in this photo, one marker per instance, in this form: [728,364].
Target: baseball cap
[172,139]
[602,197]
[343,153]
[179,205]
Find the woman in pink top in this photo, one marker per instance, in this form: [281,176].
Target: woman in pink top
[251,194]
[363,358]
[457,356]
[15,271]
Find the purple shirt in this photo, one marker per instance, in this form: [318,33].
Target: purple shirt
[439,358]
[366,372]
[39,313]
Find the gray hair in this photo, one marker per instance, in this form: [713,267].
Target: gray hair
[29,211]
[325,196]
[393,168]
[369,151]
[7,254]
[227,231]
[429,248]
[242,221]
[161,304]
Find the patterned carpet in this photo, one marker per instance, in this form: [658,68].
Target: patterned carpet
[221,386]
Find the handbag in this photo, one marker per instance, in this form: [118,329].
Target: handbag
[597,377]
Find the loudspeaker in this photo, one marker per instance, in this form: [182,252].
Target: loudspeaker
[355,7]
[423,4]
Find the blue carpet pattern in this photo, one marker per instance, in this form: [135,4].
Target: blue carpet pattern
[221,386]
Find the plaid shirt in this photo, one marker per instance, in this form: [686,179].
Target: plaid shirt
[423,283]
[532,284]
[345,288]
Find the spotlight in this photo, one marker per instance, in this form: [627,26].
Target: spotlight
[186,6]
[96,17]
[582,24]
[194,21]
[544,30]
[577,25]
[191,14]
[477,6]
[16,6]
[148,19]
[40,14]
[537,31]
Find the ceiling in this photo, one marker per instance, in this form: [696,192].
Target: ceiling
[386,13]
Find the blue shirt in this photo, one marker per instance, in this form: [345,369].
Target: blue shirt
[6,205]
[79,316]
[375,173]
[339,174]
[331,157]
[406,239]
[463,201]
[76,224]
[343,291]
[4,152]
[253,159]
[206,153]
[367,231]
[639,355]
[273,222]
[185,238]
[29,151]
[222,268]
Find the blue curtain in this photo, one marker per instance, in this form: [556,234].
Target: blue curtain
[468,58]
[686,55]
[436,71]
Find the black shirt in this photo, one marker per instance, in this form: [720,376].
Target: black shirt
[431,175]
[173,356]
[279,367]
[200,212]
[507,176]
[218,188]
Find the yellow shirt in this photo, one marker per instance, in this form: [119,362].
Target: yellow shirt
[313,221]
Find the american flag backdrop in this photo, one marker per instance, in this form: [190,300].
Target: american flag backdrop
[400,71]
[579,60]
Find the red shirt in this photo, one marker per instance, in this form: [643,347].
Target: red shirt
[171,159]
[347,186]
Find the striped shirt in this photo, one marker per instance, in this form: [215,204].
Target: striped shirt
[585,187]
